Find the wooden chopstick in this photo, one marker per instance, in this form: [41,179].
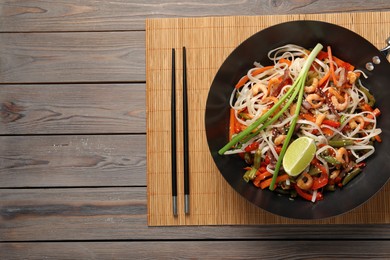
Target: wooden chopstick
[185,137]
[173,135]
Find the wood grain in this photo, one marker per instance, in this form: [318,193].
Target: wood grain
[202,250]
[72,57]
[82,214]
[75,206]
[72,161]
[119,15]
[72,108]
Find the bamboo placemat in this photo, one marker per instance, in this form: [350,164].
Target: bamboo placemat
[209,41]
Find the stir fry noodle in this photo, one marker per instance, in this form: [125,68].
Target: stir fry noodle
[310,94]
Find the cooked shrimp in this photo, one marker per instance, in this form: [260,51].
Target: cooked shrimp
[320,118]
[315,100]
[305,181]
[340,106]
[351,77]
[313,87]
[279,139]
[342,155]
[257,87]
[356,122]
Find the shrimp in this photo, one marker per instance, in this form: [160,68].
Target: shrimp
[305,181]
[334,174]
[257,87]
[279,139]
[315,100]
[320,118]
[340,106]
[351,77]
[335,93]
[353,122]
[342,155]
[313,87]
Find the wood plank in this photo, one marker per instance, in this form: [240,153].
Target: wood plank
[199,249]
[72,57]
[69,109]
[72,161]
[100,15]
[120,214]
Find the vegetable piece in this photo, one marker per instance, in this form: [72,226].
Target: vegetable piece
[319,182]
[330,159]
[261,177]
[286,61]
[308,196]
[257,159]
[331,123]
[232,124]
[253,146]
[324,79]
[352,174]
[370,97]
[250,174]
[268,182]
[340,143]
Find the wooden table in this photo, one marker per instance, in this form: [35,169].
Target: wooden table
[73,139]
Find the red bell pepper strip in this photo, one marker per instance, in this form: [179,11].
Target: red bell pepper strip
[319,182]
[331,123]
[253,146]
[308,196]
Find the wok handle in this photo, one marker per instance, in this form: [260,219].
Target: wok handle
[386,50]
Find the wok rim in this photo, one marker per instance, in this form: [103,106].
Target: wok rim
[239,187]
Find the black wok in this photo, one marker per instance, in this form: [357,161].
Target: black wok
[348,46]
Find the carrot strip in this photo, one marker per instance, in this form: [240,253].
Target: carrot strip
[283,60]
[268,181]
[245,78]
[324,79]
[262,176]
[332,66]
[376,113]
[232,124]
[341,63]
[309,117]
[260,70]
[367,107]
[378,138]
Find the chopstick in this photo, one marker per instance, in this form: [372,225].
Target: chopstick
[173,135]
[185,136]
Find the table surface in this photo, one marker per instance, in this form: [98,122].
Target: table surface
[73,139]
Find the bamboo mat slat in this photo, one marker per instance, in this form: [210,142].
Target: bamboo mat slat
[209,41]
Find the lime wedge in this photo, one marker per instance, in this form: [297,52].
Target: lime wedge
[299,155]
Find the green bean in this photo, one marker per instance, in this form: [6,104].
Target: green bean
[314,171]
[330,159]
[340,143]
[352,174]
[250,174]
[257,159]
[370,97]
[248,158]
